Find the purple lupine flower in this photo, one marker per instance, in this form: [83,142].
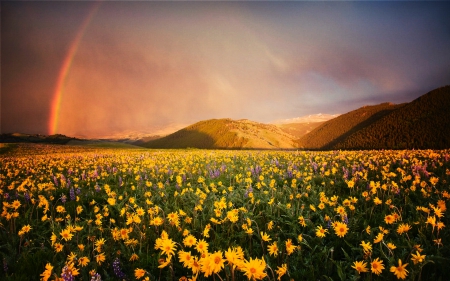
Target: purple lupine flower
[345,171]
[345,219]
[96,277]
[289,174]
[117,271]
[314,165]
[67,274]
[63,198]
[72,194]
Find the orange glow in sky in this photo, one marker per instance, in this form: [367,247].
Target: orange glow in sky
[89,69]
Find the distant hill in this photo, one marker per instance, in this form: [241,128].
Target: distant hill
[298,130]
[226,134]
[35,138]
[312,118]
[422,123]
[61,140]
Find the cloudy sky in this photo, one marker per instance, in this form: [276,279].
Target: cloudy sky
[99,68]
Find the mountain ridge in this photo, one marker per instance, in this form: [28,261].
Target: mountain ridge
[422,123]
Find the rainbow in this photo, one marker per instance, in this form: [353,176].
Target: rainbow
[64,70]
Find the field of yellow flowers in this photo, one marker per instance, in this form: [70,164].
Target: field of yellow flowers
[76,213]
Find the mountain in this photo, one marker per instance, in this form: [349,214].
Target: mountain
[13,138]
[226,134]
[35,138]
[300,126]
[422,123]
[298,130]
[335,130]
[312,118]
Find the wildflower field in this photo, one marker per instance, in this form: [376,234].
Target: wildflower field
[76,213]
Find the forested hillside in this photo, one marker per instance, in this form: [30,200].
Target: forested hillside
[336,130]
[422,123]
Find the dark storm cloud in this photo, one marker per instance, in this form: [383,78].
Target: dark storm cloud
[143,65]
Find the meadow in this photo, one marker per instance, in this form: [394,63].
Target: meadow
[77,213]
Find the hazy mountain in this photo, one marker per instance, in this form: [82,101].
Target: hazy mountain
[298,130]
[135,136]
[226,133]
[312,118]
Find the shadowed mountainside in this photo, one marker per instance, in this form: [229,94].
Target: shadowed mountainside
[336,130]
[422,123]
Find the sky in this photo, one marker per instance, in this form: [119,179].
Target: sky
[95,69]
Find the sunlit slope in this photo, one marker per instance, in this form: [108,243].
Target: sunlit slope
[226,133]
[422,123]
[336,130]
